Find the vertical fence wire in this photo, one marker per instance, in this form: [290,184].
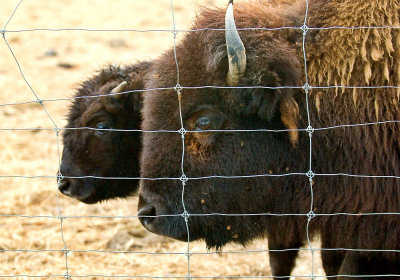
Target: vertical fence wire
[182,132]
[310,130]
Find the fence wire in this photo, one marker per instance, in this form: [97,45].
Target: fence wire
[310,175]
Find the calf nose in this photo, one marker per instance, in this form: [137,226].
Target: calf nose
[65,187]
[147,214]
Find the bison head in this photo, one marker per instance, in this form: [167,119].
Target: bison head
[260,65]
[97,151]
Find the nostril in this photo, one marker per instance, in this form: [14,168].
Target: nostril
[147,214]
[64,186]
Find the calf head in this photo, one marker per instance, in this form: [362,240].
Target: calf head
[91,149]
[212,58]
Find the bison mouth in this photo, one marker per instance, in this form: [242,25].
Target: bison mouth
[156,220]
[189,228]
[163,219]
[80,189]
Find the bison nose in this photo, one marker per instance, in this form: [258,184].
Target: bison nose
[65,187]
[147,214]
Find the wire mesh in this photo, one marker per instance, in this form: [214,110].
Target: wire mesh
[310,175]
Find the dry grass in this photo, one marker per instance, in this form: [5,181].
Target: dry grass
[35,152]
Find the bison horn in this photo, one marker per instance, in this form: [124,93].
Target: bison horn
[120,88]
[235,49]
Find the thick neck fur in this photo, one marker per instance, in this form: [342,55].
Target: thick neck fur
[354,57]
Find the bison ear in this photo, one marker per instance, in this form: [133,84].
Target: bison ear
[290,116]
[278,103]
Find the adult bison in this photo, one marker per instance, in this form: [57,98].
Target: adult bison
[264,66]
[98,152]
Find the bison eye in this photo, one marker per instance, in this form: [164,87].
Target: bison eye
[101,128]
[202,123]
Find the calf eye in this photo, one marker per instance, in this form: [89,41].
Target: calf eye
[100,128]
[202,123]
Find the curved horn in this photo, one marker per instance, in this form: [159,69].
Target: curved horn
[235,49]
[119,88]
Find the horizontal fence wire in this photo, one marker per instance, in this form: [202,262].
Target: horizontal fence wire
[138,91]
[207,131]
[66,251]
[194,29]
[198,215]
[198,277]
[197,178]
[130,252]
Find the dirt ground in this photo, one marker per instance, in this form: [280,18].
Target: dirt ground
[54,63]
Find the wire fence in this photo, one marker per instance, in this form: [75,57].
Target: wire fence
[310,175]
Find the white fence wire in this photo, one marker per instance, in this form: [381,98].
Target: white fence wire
[310,175]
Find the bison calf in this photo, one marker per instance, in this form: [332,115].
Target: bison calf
[99,152]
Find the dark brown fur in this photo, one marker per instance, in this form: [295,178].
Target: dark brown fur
[109,154]
[275,58]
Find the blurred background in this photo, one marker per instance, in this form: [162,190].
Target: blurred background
[54,63]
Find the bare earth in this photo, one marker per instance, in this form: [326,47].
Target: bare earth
[54,63]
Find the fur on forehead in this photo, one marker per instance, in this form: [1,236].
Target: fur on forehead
[110,103]
[101,83]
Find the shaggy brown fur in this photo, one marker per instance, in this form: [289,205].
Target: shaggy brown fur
[274,58]
[362,57]
[104,153]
